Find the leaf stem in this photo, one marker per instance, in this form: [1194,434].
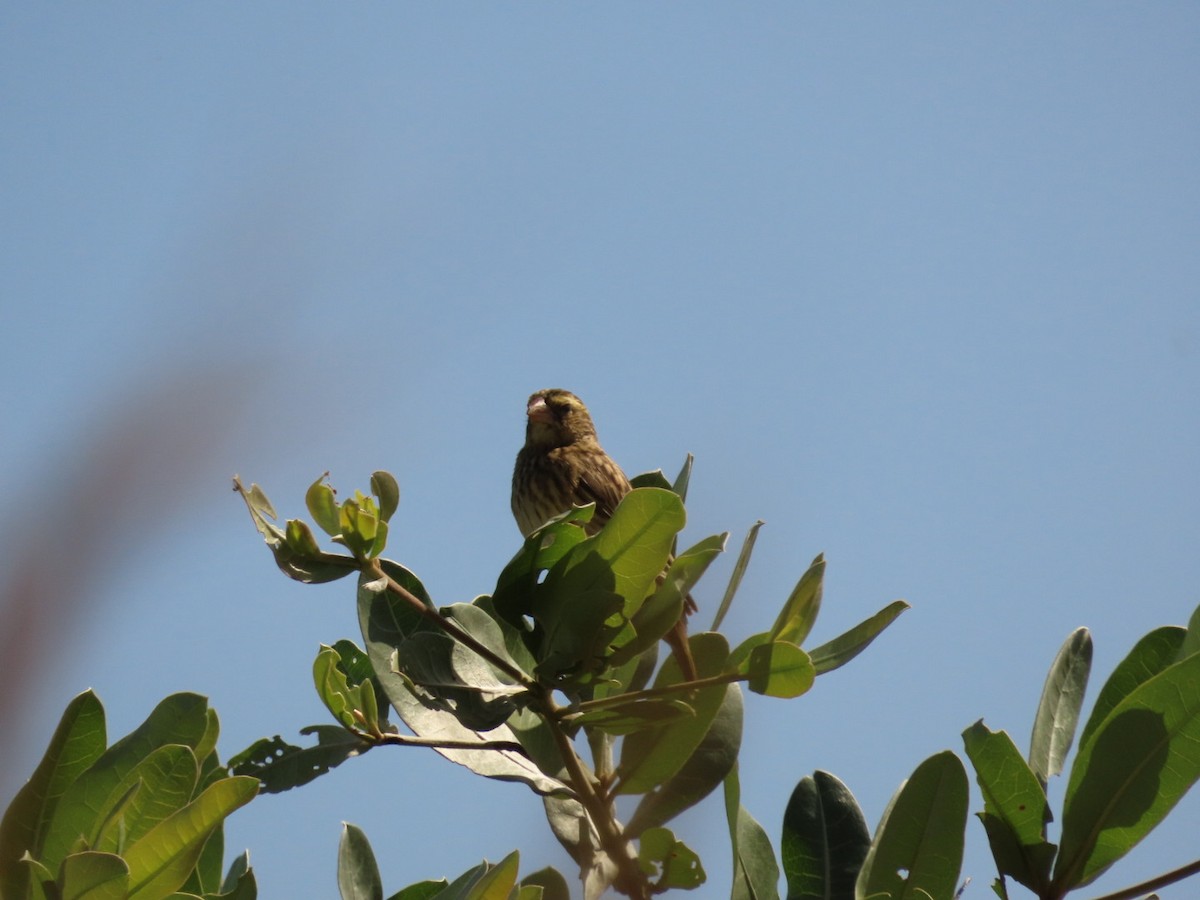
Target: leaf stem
[406,741]
[451,628]
[1146,887]
[631,880]
[683,687]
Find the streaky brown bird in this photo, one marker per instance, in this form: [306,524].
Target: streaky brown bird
[562,465]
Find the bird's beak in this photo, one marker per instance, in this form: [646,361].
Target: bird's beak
[538,411]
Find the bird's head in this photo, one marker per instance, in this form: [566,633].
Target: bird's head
[557,418]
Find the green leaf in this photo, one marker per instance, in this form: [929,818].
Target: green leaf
[513,597]
[650,757]
[550,880]
[1150,655]
[386,622]
[323,506]
[361,525]
[636,541]
[207,745]
[799,613]
[452,677]
[281,766]
[95,794]
[1130,772]
[755,870]
[357,873]
[78,741]
[1015,807]
[300,540]
[663,608]
[669,862]
[299,566]
[159,785]
[680,484]
[825,840]
[384,486]
[780,669]
[1191,643]
[843,648]
[239,882]
[421,890]
[918,847]
[704,770]
[655,479]
[498,881]
[1058,710]
[333,688]
[160,861]
[635,715]
[588,596]
[92,875]
[735,579]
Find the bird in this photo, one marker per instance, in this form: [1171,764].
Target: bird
[562,465]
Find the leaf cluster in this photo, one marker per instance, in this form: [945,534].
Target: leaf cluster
[565,648]
[140,819]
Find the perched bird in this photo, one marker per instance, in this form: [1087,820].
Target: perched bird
[562,465]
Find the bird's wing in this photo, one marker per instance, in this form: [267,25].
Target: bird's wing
[605,484]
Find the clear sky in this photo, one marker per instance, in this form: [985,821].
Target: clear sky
[917,284]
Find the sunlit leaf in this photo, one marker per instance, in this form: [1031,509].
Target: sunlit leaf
[332,687]
[159,785]
[300,539]
[918,845]
[384,486]
[92,875]
[90,799]
[800,611]
[77,742]
[323,507]
[735,579]
[843,648]
[780,669]
[1015,809]
[160,862]
[1150,655]
[498,881]
[663,608]
[1130,772]
[650,757]
[668,862]
[1058,710]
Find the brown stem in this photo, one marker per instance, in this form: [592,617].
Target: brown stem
[631,881]
[449,627]
[405,741]
[683,687]
[1146,887]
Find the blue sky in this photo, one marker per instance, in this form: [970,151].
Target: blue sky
[917,285]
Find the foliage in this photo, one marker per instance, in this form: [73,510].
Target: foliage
[565,647]
[141,819]
[563,654]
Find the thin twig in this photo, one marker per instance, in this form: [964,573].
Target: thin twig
[451,628]
[684,687]
[1146,887]
[632,881]
[437,744]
